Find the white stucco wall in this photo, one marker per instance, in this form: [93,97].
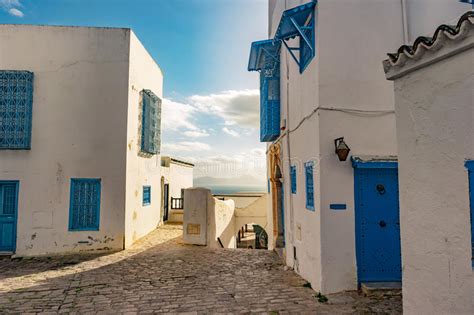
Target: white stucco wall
[435,112]
[144,73]
[351,39]
[220,219]
[78,131]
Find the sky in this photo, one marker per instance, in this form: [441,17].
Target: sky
[211,103]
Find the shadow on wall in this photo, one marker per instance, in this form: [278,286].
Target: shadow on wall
[215,223]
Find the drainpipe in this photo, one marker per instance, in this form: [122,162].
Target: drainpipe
[406,38]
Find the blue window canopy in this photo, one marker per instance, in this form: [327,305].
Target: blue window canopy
[299,22]
[264,54]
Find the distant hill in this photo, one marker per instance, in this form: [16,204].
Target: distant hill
[244,180]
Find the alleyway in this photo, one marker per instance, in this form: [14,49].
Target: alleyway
[160,274]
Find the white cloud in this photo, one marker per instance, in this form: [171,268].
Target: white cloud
[177,116]
[235,107]
[185,146]
[196,133]
[16,12]
[12,7]
[230,132]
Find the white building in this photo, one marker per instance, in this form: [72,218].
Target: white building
[337,221]
[177,175]
[80,139]
[434,104]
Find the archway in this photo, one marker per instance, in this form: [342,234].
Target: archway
[252,236]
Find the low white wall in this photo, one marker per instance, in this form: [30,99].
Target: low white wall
[434,111]
[196,203]
[221,224]
[219,219]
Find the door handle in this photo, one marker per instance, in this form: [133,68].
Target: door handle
[382,223]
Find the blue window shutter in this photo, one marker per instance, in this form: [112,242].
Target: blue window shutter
[146,195]
[16,102]
[309,185]
[84,210]
[151,123]
[470,170]
[293,179]
[270,104]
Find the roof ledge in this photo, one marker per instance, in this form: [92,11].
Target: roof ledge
[447,41]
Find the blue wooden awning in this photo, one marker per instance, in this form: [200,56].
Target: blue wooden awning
[264,54]
[299,22]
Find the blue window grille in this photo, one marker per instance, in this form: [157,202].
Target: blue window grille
[470,170]
[16,102]
[84,209]
[299,22]
[309,185]
[265,58]
[146,195]
[151,123]
[293,179]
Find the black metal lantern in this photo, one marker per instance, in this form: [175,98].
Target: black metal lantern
[342,150]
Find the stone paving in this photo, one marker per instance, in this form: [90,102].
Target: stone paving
[162,275]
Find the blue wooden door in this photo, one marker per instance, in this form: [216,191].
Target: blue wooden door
[377,225]
[8,215]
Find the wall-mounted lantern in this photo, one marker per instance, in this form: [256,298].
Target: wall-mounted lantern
[342,150]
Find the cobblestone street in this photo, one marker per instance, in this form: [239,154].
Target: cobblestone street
[160,274]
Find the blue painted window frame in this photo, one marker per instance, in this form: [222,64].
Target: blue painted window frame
[16,109]
[146,195]
[293,178]
[299,22]
[90,209]
[470,170]
[309,178]
[151,123]
[17,192]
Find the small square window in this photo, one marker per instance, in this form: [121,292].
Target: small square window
[84,209]
[146,195]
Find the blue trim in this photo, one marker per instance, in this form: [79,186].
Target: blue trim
[469,165]
[146,195]
[337,206]
[309,177]
[17,192]
[470,168]
[293,178]
[358,163]
[299,22]
[95,225]
[264,54]
[471,2]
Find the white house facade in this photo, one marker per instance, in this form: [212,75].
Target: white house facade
[336,216]
[177,175]
[434,104]
[80,119]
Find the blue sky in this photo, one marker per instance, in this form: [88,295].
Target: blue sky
[210,111]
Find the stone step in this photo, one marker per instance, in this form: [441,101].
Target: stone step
[381,288]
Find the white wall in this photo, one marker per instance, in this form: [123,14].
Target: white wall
[144,73]
[435,115]
[78,131]
[351,38]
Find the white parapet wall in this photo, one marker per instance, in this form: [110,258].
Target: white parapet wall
[215,223]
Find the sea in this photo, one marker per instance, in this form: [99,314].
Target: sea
[216,190]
